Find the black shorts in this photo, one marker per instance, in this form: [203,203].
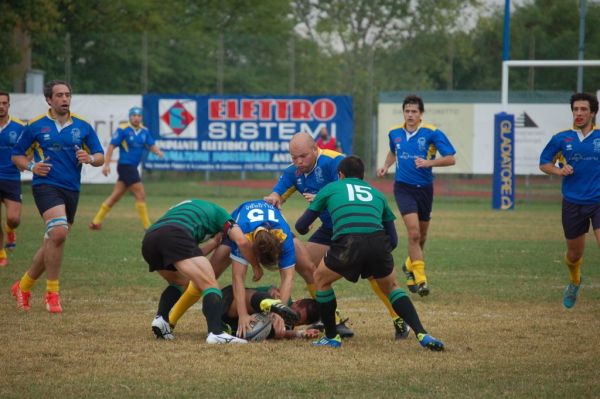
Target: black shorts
[162,247]
[361,255]
[128,174]
[47,196]
[11,190]
[414,199]
[322,236]
[576,218]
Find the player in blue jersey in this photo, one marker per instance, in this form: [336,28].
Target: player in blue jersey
[132,139]
[413,148]
[364,237]
[61,142]
[274,247]
[311,170]
[10,177]
[574,154]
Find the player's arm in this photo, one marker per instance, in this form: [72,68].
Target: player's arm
[287,284]
[274,199]
[108,159]
[551,156]
[157,151]
[551,169]
[390,159]
[210,245]
[303,223]
[447,160]
[390,230]
[239,296]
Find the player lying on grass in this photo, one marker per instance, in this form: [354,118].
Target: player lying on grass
[363,239]
[285,318]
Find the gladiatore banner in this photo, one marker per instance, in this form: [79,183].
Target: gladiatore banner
[235,133]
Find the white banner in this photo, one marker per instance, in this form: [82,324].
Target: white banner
[103,112]
[470,128]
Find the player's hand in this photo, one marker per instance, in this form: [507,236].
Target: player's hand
[160,154]
[42,168]
[421,163]
[381,172]
[274,293]
[83,156]
[309,197]
[244,324]
[278,326]
[257,273]
[310,333]
[566,170]
[106,169]
[274,199]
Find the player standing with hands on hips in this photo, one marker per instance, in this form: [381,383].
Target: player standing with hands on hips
[413,147]
[574,154]
[132,139]
[61,142]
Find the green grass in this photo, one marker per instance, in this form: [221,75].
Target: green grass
[496,277]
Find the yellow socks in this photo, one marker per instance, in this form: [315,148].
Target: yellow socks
[574,270]
[311,290]
[142,211]
[26,283]
[189,297]
[418,269]
[52,286]
[382,297]
[102,212]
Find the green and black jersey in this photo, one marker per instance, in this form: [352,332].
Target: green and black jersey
[201,218]
[355,207]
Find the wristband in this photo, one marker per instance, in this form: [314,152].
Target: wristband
[30,166]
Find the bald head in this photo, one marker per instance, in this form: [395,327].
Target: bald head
[304,151]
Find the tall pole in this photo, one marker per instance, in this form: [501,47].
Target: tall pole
[582,12]
[506,32]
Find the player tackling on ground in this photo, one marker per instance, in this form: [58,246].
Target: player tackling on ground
[363,239]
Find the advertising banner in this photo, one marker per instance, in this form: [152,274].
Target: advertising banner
[503,184]
[235,133]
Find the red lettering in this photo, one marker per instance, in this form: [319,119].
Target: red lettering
[232,109]
[281,109]
[248,110]
[215,108]
[324,109]
[300,110]
[264,109]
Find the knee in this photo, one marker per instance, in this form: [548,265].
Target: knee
[414,235]
[13,221]
[57,230]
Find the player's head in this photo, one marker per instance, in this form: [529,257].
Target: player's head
[323,133]
[58,96]
[414,100]
[266,246]
[135,115]
[351,166]
[307,311]
[578,104]
[4,103]
[304,152]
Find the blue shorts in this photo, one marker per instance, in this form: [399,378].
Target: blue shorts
[128,174]
[576,218]
[47,196]
[11,190]
[413,199]
[322,236]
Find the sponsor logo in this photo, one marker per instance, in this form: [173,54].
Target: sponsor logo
[525,121]
[177,118]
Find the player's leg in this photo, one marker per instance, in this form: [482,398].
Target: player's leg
[170,295]
[401,331]
[573,260]
[327,303]
[3,254]
[13,219]
[201,274]
[118,190]
[405,308]
[57,230]
[137,189]
[305,266]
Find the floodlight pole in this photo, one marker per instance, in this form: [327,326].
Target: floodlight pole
[538,63]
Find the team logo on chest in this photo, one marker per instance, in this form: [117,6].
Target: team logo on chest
[422,143]
[76,135]
[12,137]
[596,145]
[319,175]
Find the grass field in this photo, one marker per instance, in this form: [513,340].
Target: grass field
[496,277]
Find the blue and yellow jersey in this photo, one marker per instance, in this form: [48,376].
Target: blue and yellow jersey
[132,143]
[355,206]
[425,143]
[253,216]
[567,147]
[202,219]
[324,172]
[9,135]
[48,140]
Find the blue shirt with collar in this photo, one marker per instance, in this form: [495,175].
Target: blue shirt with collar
[132,143]
[9,135]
